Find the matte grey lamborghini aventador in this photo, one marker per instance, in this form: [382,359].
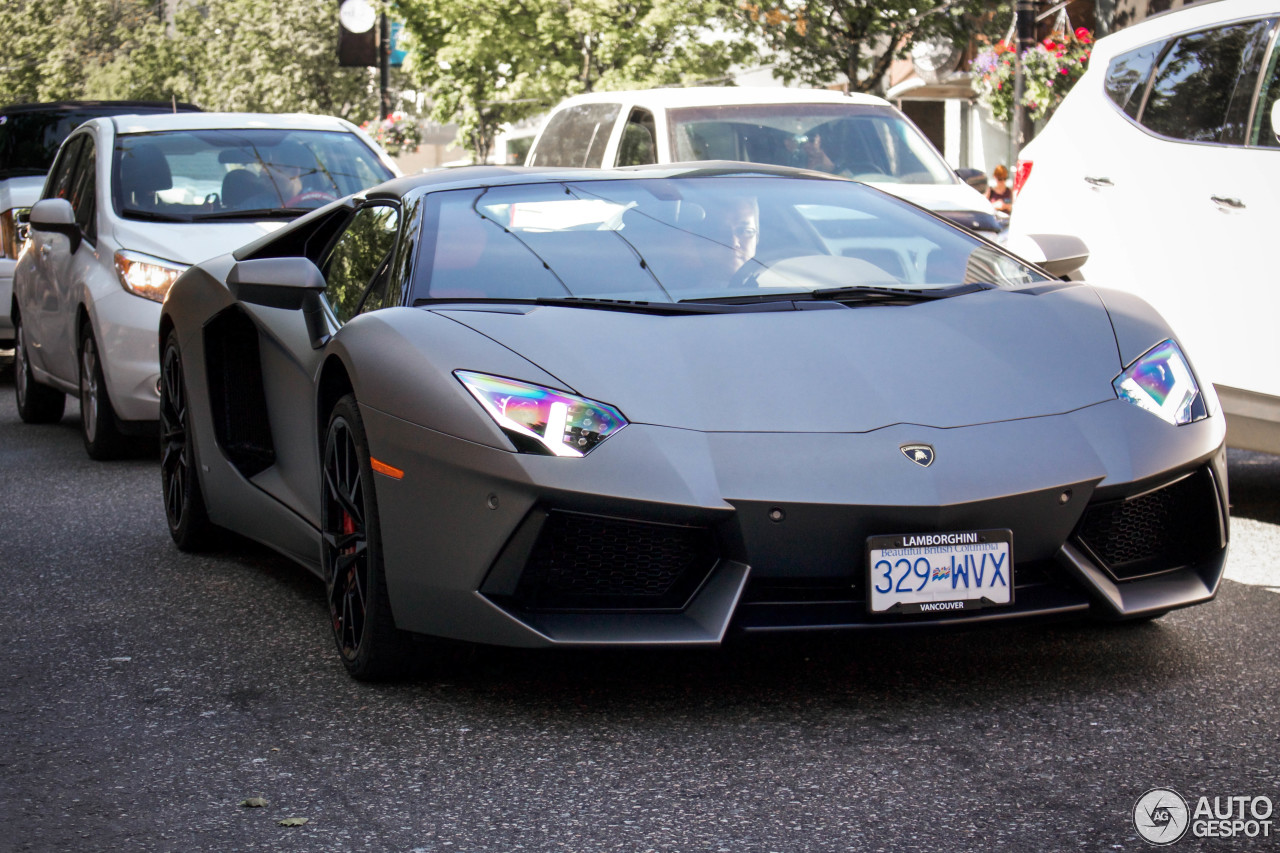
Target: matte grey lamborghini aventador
[568,407]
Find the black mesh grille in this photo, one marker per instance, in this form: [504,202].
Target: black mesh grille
[1159,531]
[584,561]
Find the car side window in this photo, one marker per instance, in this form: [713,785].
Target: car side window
[576,136]
[360,261]
[1127,77]
[1260,133]
[639,140]
[1190,96]
[59,183]
[83,195]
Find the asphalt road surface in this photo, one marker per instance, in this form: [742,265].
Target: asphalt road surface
[147,694]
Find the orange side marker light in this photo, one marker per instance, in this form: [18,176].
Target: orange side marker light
[383,468]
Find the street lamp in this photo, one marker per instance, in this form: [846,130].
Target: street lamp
[1025,21]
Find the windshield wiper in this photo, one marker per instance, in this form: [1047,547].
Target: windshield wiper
[904,295]
[257,213]
[153,216]
[632,306]
[858,294]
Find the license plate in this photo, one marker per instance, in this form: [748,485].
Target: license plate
[937,573]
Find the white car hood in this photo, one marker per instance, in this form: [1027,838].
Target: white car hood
[939,197]
[189,242]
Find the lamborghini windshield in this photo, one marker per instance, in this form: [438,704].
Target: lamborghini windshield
[714,237]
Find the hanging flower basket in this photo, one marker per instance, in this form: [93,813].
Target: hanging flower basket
[398,133]
[1049,70]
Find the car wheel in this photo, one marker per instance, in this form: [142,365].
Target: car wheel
[37,403]
[102,439]
[184,507]
[359,609]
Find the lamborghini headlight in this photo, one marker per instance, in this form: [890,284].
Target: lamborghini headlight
[1160,381]
[145,276]
[540,420]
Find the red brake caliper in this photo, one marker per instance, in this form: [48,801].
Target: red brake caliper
[348,527]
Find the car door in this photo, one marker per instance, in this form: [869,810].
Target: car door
[359,277]
[1205,194]
[50,263]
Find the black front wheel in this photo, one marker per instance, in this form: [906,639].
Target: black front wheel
[359,609]
[37,403]
[184,506]
[98,425]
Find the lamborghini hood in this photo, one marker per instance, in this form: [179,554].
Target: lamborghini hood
[977,358]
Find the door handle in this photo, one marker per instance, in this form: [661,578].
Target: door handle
[1227,203]
[1098,182]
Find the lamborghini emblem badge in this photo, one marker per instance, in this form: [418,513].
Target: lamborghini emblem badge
[921,454]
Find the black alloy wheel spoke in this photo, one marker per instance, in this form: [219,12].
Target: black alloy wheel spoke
[175,456]
[344,536]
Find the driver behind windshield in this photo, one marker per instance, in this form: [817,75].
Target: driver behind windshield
[733,223]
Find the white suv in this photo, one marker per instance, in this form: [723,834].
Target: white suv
[857,136]
[1165,160]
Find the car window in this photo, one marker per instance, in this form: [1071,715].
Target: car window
[1260,133]
[1190,97]
[639,140]
[195,175]
[870,143]
[360,260]
[576,136]
[1127,76]
[58,184]
[83,195]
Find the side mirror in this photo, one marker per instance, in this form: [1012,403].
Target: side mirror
[292,284]
[1275,119]
[275,282]
[1060,254]
[56,215]
[975,178]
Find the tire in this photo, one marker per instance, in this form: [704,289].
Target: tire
[372,648]
[98,427]
[184,506]
[37,404]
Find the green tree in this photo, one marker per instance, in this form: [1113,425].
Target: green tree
[239,55]
[820,42]
[489,62]
[53,48]
[269,56]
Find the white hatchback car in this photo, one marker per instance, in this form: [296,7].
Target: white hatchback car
[1164,158]
[131,202]
[857,136]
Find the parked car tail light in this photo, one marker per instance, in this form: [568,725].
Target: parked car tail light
[145,276]
[13,231]
[1020,175]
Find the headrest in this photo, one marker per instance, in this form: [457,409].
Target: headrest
[144,169]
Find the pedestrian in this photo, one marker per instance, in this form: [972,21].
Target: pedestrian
[1001,194]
